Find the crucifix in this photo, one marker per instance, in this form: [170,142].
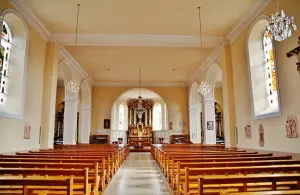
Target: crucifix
[295,52]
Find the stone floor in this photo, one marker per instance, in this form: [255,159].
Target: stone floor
[139,175]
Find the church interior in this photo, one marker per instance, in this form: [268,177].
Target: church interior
[173,97]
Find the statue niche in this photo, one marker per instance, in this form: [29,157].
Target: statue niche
[140,127]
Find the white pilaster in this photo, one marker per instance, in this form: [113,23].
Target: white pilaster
[85,125]
[70,121]
[146,117]
[208,110]
[195,124]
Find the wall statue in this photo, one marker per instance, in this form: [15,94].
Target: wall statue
[261,135]
[291,126]
[248,131]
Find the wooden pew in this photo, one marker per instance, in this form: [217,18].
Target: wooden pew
[29,183]
[245,180]
[100,179]
[80,177]
[190,174]
[107,169]
[182,165]
[171,163]
[285,192]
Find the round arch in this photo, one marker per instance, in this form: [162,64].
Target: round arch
[122,100]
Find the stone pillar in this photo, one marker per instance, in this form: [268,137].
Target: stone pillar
[70,121]
[85,125]
[209,121]
[195,124]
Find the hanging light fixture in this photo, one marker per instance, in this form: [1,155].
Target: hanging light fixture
[204,87]
[140,110]
[72,85]
[280,25]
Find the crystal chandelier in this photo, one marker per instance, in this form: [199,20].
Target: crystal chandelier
[204,88]
[280,25]
[140,110]
[72,85]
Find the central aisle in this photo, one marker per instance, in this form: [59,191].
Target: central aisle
[139,175]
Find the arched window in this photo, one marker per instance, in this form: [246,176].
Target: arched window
[157,117]
[121,117]
[5,48]
[262,71]
[270,69]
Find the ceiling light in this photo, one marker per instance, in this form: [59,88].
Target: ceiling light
[280,25]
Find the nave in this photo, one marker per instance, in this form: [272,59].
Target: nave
[139,175]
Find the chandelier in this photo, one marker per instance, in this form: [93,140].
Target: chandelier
[72,85]
[280,25]
[204,88]
[140,110]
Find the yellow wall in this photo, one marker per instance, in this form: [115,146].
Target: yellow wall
[289,79]
[60,95]
[218,95]
[12,130]
[176,99]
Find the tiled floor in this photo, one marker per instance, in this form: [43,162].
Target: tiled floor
[139,175]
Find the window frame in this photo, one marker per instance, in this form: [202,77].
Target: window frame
[161,113]
[272,114]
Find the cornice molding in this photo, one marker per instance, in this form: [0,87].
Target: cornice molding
[67,56]
[203,67]
[134,84]
[257,7]
[148,40]
[22,7]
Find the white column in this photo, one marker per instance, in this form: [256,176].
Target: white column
[208,110]
[85,125]
[70,121]
[195,124]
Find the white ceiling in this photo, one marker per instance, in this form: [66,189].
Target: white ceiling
[118,37]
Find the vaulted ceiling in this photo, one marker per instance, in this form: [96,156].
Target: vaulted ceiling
[160,36]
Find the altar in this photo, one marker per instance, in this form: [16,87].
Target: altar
[140,134]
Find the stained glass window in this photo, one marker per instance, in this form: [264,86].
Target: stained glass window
[5,49]
[270,70]
[157,117]
[121,117]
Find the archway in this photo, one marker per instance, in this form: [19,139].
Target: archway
[70,99]
[194,113]
[212,123]
[121,129]
[85,112]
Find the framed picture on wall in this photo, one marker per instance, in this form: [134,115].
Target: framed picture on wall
[210,125]
[106,123]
